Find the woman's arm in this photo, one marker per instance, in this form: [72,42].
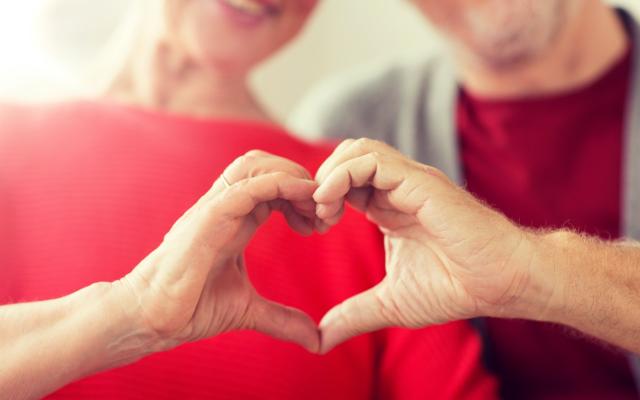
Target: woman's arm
[193,286]
[45,345]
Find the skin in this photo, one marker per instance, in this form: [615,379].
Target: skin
[523,48]
[193,59]
[193,286]
[448,255]
[451,257]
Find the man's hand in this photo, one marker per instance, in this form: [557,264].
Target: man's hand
[195,285]
[449,257]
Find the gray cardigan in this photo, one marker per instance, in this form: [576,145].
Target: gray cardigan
[411,105]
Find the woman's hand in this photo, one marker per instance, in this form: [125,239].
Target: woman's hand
[449,257]
[195,284]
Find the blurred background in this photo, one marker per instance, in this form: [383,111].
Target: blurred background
[56,49]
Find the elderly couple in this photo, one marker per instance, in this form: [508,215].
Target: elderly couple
[534,107]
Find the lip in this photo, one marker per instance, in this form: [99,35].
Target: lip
[246,19]
[272,5]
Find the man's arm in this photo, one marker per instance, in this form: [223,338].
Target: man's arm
[450,257]
[597,290]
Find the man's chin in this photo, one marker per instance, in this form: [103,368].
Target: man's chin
[499,57]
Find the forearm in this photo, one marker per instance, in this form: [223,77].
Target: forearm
[596,287]
[46,345]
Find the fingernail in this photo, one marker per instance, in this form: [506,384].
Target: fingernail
[319,194]
[321,210]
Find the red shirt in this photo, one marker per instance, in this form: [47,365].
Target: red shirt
[86,191]
[552,162]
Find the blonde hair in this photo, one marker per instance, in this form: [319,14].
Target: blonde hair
[98,72]
[143,19]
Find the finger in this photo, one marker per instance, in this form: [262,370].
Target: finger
[363,313]
[306,207]
[217,187]
[242,197]
[359,198]
[256,162]
[405,181]
[253,163]
[333,159]
[328,210]
[321,227]
[333,218]
[284,323]
[350,149]
[331,213]
[298,221]
[375,169]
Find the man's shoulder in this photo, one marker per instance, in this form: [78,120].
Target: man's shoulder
[369,98]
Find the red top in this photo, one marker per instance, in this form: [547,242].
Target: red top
[552,162]
[86,191]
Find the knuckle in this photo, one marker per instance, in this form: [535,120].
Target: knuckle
[238,164]
[211,208]
[227,196]
[280,175]
[256,154]
[377,156]
[435,172]
[237,187]
[346,143]
[248,158]
[244,160]
[363,143]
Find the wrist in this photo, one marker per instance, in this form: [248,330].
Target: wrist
[109,330]
[540,269]
[131,338]
[551,275]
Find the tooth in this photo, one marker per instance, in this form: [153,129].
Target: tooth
[247,6]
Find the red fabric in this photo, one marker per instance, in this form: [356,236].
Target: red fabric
[86,191]
[552,162]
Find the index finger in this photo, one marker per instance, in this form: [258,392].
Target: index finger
[350,149]
[258,162]
[243,197]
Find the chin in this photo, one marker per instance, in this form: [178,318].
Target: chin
[509,42]
[236,33]
[505,55]
[234,54]
[228,64]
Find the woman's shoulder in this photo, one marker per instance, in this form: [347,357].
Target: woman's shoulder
[21,122]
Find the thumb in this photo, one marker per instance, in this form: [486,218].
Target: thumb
[362,313]
[285,323]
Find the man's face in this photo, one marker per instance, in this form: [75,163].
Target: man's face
[500,32]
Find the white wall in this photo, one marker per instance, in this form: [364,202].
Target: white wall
[341,34]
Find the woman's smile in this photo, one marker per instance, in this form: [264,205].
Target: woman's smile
[249,11]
